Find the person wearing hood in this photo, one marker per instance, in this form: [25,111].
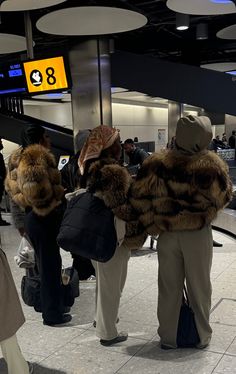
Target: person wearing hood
[178,194]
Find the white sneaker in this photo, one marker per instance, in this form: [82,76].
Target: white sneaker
[92,278]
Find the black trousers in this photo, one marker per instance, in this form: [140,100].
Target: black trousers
[42,232]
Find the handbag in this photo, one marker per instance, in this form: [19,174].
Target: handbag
[187,334]
[88,228]
[30,288]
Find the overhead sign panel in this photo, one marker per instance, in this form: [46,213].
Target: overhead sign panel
[46,75]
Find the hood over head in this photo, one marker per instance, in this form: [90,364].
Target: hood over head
[193,134]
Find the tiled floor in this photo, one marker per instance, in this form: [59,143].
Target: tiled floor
[75,348]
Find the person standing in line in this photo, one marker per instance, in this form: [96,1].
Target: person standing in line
[232,139]
[34,183]
[70,181]
[178,194]
[11,319]
[2,179]
[136,155]
[102,175]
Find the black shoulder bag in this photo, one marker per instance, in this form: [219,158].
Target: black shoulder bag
[88,228]
[187,334]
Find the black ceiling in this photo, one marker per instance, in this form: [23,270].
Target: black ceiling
[158,38]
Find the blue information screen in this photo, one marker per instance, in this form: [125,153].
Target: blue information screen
[12,79]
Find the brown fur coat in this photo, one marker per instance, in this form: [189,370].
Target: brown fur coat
[33,179]
[174,191]
[112,183]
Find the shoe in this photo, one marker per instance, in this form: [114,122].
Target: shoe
[95,322]
[166,347]
[121,337]
[64,319]
[66,309]
[216,244]
[92,278]
[31,367]
[4,223]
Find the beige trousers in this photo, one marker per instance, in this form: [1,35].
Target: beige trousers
[184,255]
[110,281]
[12,354]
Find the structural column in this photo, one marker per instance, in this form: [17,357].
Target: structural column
[91,92]
[175,111]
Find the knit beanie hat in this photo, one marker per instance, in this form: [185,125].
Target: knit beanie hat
[193,134]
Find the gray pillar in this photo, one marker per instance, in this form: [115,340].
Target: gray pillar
[28,35]
[91,92]
[175,111]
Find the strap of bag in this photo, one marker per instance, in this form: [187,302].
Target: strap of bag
[185,295]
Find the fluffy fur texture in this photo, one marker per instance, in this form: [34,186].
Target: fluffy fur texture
[112,183]
[178,192]
[33,179]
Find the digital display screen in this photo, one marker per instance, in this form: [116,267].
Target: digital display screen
[12,79]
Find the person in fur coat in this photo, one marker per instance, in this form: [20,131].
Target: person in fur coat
[11,319]
[34,183]
[178,194]
[102,175]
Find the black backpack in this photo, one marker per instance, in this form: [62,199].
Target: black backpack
[88,228]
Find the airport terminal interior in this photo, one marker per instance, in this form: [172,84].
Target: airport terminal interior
[137,66]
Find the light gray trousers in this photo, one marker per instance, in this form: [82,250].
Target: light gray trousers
[184,255]
[11,352]
[110,281]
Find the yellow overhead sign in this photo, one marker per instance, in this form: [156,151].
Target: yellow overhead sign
[45,75]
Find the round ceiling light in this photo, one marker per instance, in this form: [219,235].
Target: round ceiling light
[227,33]
[201,7]
[220,66]
[91,20]
[16,5]
[10,43]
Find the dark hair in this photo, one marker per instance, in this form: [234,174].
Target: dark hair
[233,132]
[33,134]
[136,139]
[129,141]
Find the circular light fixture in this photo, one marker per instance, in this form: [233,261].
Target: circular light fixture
[92,20]
[202,31]
[182,21]
[10,43]
[201,7]
[16,5]
[227,33]
[221,1]
[220,66]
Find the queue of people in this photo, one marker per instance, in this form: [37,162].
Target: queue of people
[176,195]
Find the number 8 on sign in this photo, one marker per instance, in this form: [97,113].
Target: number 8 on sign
[45,75]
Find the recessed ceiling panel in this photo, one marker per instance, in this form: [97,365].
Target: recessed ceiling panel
[201,7]
[10,43]
[90,21]
[220,66]
[19,5]
[227,33]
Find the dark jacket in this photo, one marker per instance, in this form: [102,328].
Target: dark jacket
[137,156]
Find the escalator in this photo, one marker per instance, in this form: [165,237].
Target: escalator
[13,123]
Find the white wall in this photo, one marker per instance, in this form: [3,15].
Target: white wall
[140,121]
[59,114]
